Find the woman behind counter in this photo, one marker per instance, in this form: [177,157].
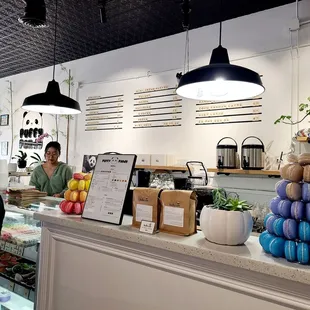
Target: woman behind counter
[52,176]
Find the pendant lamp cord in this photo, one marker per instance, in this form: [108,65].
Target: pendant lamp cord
[186,9]
[220,38]
[186,57]
[221,21]
[55,38]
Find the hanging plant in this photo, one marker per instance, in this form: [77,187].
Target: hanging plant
[287,119]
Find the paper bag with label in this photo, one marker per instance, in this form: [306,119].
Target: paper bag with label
[178,212]
[145,206]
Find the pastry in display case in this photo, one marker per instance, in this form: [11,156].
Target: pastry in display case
[19,243]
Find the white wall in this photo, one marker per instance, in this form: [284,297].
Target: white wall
[260,41]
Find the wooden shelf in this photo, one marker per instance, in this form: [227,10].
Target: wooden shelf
[275,173]
[19,174]
[166,168]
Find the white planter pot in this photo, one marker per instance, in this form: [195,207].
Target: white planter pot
[226,227]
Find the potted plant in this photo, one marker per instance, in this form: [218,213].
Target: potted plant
[21,160]
[228,221]
[37,159]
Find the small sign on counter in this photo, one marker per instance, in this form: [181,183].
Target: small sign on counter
[147,227]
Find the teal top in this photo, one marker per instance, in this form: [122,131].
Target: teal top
[57,184]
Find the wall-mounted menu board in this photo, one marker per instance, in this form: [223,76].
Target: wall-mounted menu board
[232,112]
[104,112]
[157,107]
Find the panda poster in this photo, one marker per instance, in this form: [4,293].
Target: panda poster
[89,163]
[31,130]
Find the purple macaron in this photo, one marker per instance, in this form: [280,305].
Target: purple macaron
[273,205]
[306,192]
[307,211]
[269,223]
[284,208]
[298,210]
[290,229]
[281,188]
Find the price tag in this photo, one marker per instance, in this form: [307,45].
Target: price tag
[147,227]
[13,249]
[11,286]
[8,247]
[26,293]
[19,251]
[2,244]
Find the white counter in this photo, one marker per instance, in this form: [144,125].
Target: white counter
[242,272]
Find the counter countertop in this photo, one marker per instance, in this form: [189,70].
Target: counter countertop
[249,256]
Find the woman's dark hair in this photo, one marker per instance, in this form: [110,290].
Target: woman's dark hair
[55,145]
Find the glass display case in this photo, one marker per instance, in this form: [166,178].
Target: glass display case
[19,244]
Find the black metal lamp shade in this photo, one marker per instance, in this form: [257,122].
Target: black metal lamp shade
[52,102]
[220,81]
[35,14]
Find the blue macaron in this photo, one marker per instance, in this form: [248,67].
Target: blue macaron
[307,207]
[304,231]
[303,253]
[305,192]
[276,247]
[298,210]
[281,188]
[265,239]
[284,208]
[269,223]
[273,205]
[278,226]
[290,229]
[290,250]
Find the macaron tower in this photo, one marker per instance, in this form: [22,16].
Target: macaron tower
[287,232]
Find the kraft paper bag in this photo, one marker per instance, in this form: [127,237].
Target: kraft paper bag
[178,212]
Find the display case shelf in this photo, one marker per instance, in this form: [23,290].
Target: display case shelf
[269,173]
[23,285]
[16,302]
[29,253]
[23,295]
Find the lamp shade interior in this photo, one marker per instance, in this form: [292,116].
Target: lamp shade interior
[51,109]
[220,82]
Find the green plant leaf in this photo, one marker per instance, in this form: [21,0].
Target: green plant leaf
[36,157]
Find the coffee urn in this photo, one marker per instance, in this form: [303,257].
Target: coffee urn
[226,154]
[252,155]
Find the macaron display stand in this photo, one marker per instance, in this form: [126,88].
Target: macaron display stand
[287,232]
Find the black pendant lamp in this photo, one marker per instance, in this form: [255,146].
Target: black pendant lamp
[220,81]
[52,101]
[35,14]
